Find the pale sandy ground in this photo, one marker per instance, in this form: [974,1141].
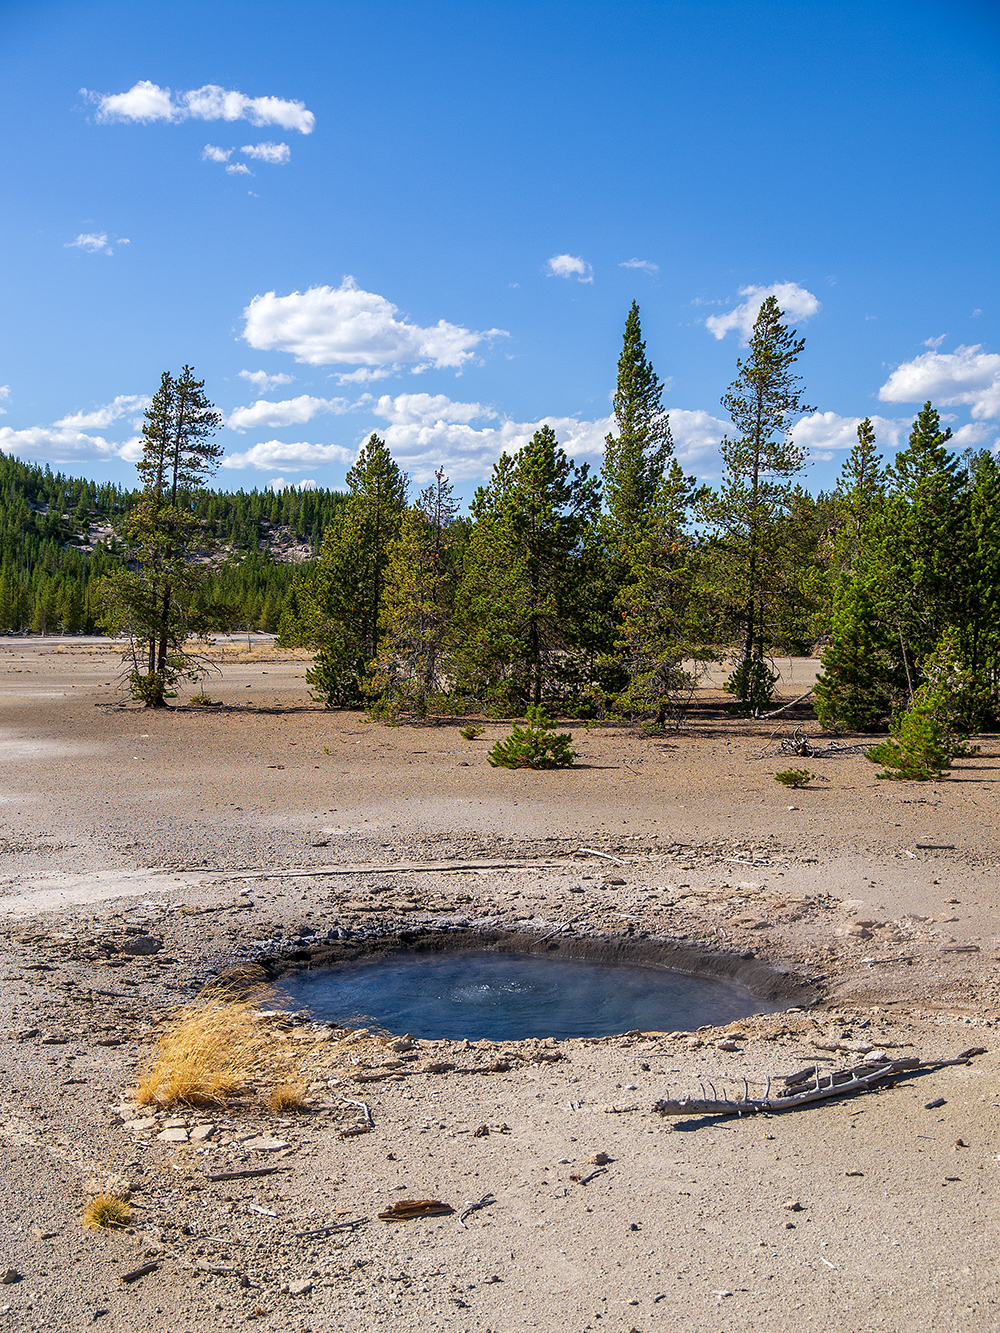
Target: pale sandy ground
[116,821]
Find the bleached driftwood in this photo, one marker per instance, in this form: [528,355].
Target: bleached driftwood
[810,1085]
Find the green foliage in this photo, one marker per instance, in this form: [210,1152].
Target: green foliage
[522,604]
[750,575]
[535,746]
[863,683]
[410,672]
[930,733]
[471,732]
[341,601]
[753,683]
[794,777]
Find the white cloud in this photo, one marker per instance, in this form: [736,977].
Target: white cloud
[935,342]
[348,326]
[570,266]
[294,457]
[239,169]
[428,409]
[263,382]
[646,265]
[289,412]
[55,444]
[146,101]
[967,377]
[94,242]
[795,301]
[101,417]
[275,153]
[823,431]
[4,397]
[279,484]
[212,154]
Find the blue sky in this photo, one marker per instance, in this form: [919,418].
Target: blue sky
[429,219]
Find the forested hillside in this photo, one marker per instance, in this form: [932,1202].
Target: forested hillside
[57,540]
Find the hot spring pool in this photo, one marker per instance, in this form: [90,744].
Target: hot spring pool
[509,996]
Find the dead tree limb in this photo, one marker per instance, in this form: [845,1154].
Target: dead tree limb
[804,1088]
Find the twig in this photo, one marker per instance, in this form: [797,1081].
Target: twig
[316,1232]
[363,1108]
[603,855]
[563,926]
[141,1272]
[468,1208]
[305,872]
[784,707]
[585,1180]
[250,1171]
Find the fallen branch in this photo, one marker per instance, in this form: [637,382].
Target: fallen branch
[140,1272]
[367,868]
[589,851]
[249,1171]
[795,1093]
[784,707]
[364,1108]
[329,1230]
[468,1208]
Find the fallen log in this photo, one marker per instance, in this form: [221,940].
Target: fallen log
[804,1088]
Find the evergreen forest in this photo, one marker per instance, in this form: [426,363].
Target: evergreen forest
[592,594]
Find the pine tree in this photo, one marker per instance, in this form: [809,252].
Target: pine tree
[341,603]
[420,583]
[760,464]
[859,496]
[153,599]
[523,581]
[636,458]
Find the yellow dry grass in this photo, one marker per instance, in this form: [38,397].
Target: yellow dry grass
[212,1050]
[288,1097]
[107,1210]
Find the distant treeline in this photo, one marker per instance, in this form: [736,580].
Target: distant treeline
[57,541]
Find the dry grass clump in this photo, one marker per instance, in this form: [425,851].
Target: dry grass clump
[288,1097]
[107,1210]
[213,1049]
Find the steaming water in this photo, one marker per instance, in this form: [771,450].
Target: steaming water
[509,996]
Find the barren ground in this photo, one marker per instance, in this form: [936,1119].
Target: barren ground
[118,825]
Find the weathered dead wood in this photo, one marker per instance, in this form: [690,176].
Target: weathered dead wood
[137,1273]
[402,868]
[796,1093]
[473,1207]
[248,1171]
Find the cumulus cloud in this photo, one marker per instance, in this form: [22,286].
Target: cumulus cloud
[263,382]
[293,457]
[212,154]
[289,412]
[99,418]
[967,377]
[795,301]
[55,444]
[821,432]
[146,102]
[4,397]
[570,266]
[275,153]
[279,484]
[646,265]
[93,242]
[346,325]
[239,169]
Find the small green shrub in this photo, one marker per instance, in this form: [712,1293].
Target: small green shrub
[920,751]
[794,777]
[535,746]
[470,733]
[202,700]
[753,683]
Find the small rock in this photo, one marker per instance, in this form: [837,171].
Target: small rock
[263,1143]
[141,946]
[175,1122]
[25,1034]
[141,1126]
[53,1039]
[302,1288]
[727,1045]
[39,1234]
[792,1206]
[599,1159]
[173,1136]
[8,1276]
[609,880]
[202,1132]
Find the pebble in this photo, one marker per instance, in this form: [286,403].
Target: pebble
[141,1126]
[173,1136]
[264,1143]
[792,1206]
[302,1288]
[599,1159]
[141,946]
[8,1276]
[202,1132]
